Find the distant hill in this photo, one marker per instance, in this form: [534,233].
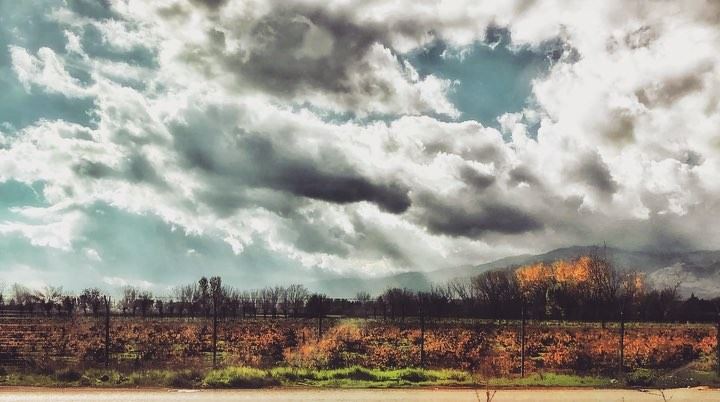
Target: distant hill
[695,271]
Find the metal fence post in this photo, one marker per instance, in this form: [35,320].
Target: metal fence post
[522,340]
[621,368]
[214,336]
[422,340]
[717,344]
[107,331]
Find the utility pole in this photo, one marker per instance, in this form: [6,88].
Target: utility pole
[107,331]
[522,340]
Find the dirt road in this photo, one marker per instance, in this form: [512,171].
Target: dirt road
[277,395]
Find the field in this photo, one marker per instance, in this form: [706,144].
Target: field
[489,349]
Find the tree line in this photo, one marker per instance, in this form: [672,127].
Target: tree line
[587,288]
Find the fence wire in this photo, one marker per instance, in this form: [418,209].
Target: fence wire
[31,341]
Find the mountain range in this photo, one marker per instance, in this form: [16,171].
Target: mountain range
[694,272]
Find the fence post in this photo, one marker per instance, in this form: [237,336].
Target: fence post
[422,339]
[319,327]
[214,336]
[107,331]
[522,340]
[621,367]
[717,344]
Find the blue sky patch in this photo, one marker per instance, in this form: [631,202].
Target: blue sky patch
[492,80]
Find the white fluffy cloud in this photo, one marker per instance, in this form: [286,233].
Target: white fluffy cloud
[45,71]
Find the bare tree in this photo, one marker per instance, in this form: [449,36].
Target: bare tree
[159,306]
[283,300]
[269,298]
[232,300]
[186,296]
[68,304]
[460,288]
[203,300]
[363,298]
[265,302]
[399,301]
[216,294]
[495,290]
[91,297]
[49,297]
[297,295]
[23,297]
[128,301]
[248,303]
[255,300]
[144,302]
[604,283]
[439,300]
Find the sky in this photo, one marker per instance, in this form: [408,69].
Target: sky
[148,143]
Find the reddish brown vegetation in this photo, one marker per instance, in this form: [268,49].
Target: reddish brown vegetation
[491,349]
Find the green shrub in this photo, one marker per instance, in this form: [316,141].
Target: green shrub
[42,367]
[68,375]
[294,374]
[149,377]
[239,377]
[414,375]
[641,378]
[85,381]
[354,373]
[186,379]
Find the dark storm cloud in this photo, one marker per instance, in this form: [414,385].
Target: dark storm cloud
[136,169]
[473,218]
[641,37]
[374,242]
[246,159]
[620,130]
[593,171]
[139,169]
[277,66]
[673,89]
[303,177]
[522,174]
[478,180]
[692,158]
[309,181]
[314,238]
[94,170]
[298,52]
[210,4]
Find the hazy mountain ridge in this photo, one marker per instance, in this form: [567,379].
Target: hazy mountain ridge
[695,271]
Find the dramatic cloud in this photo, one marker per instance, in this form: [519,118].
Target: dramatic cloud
[475,219]
[303,53]
[278,141]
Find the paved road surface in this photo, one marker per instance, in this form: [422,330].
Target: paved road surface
[297,395]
